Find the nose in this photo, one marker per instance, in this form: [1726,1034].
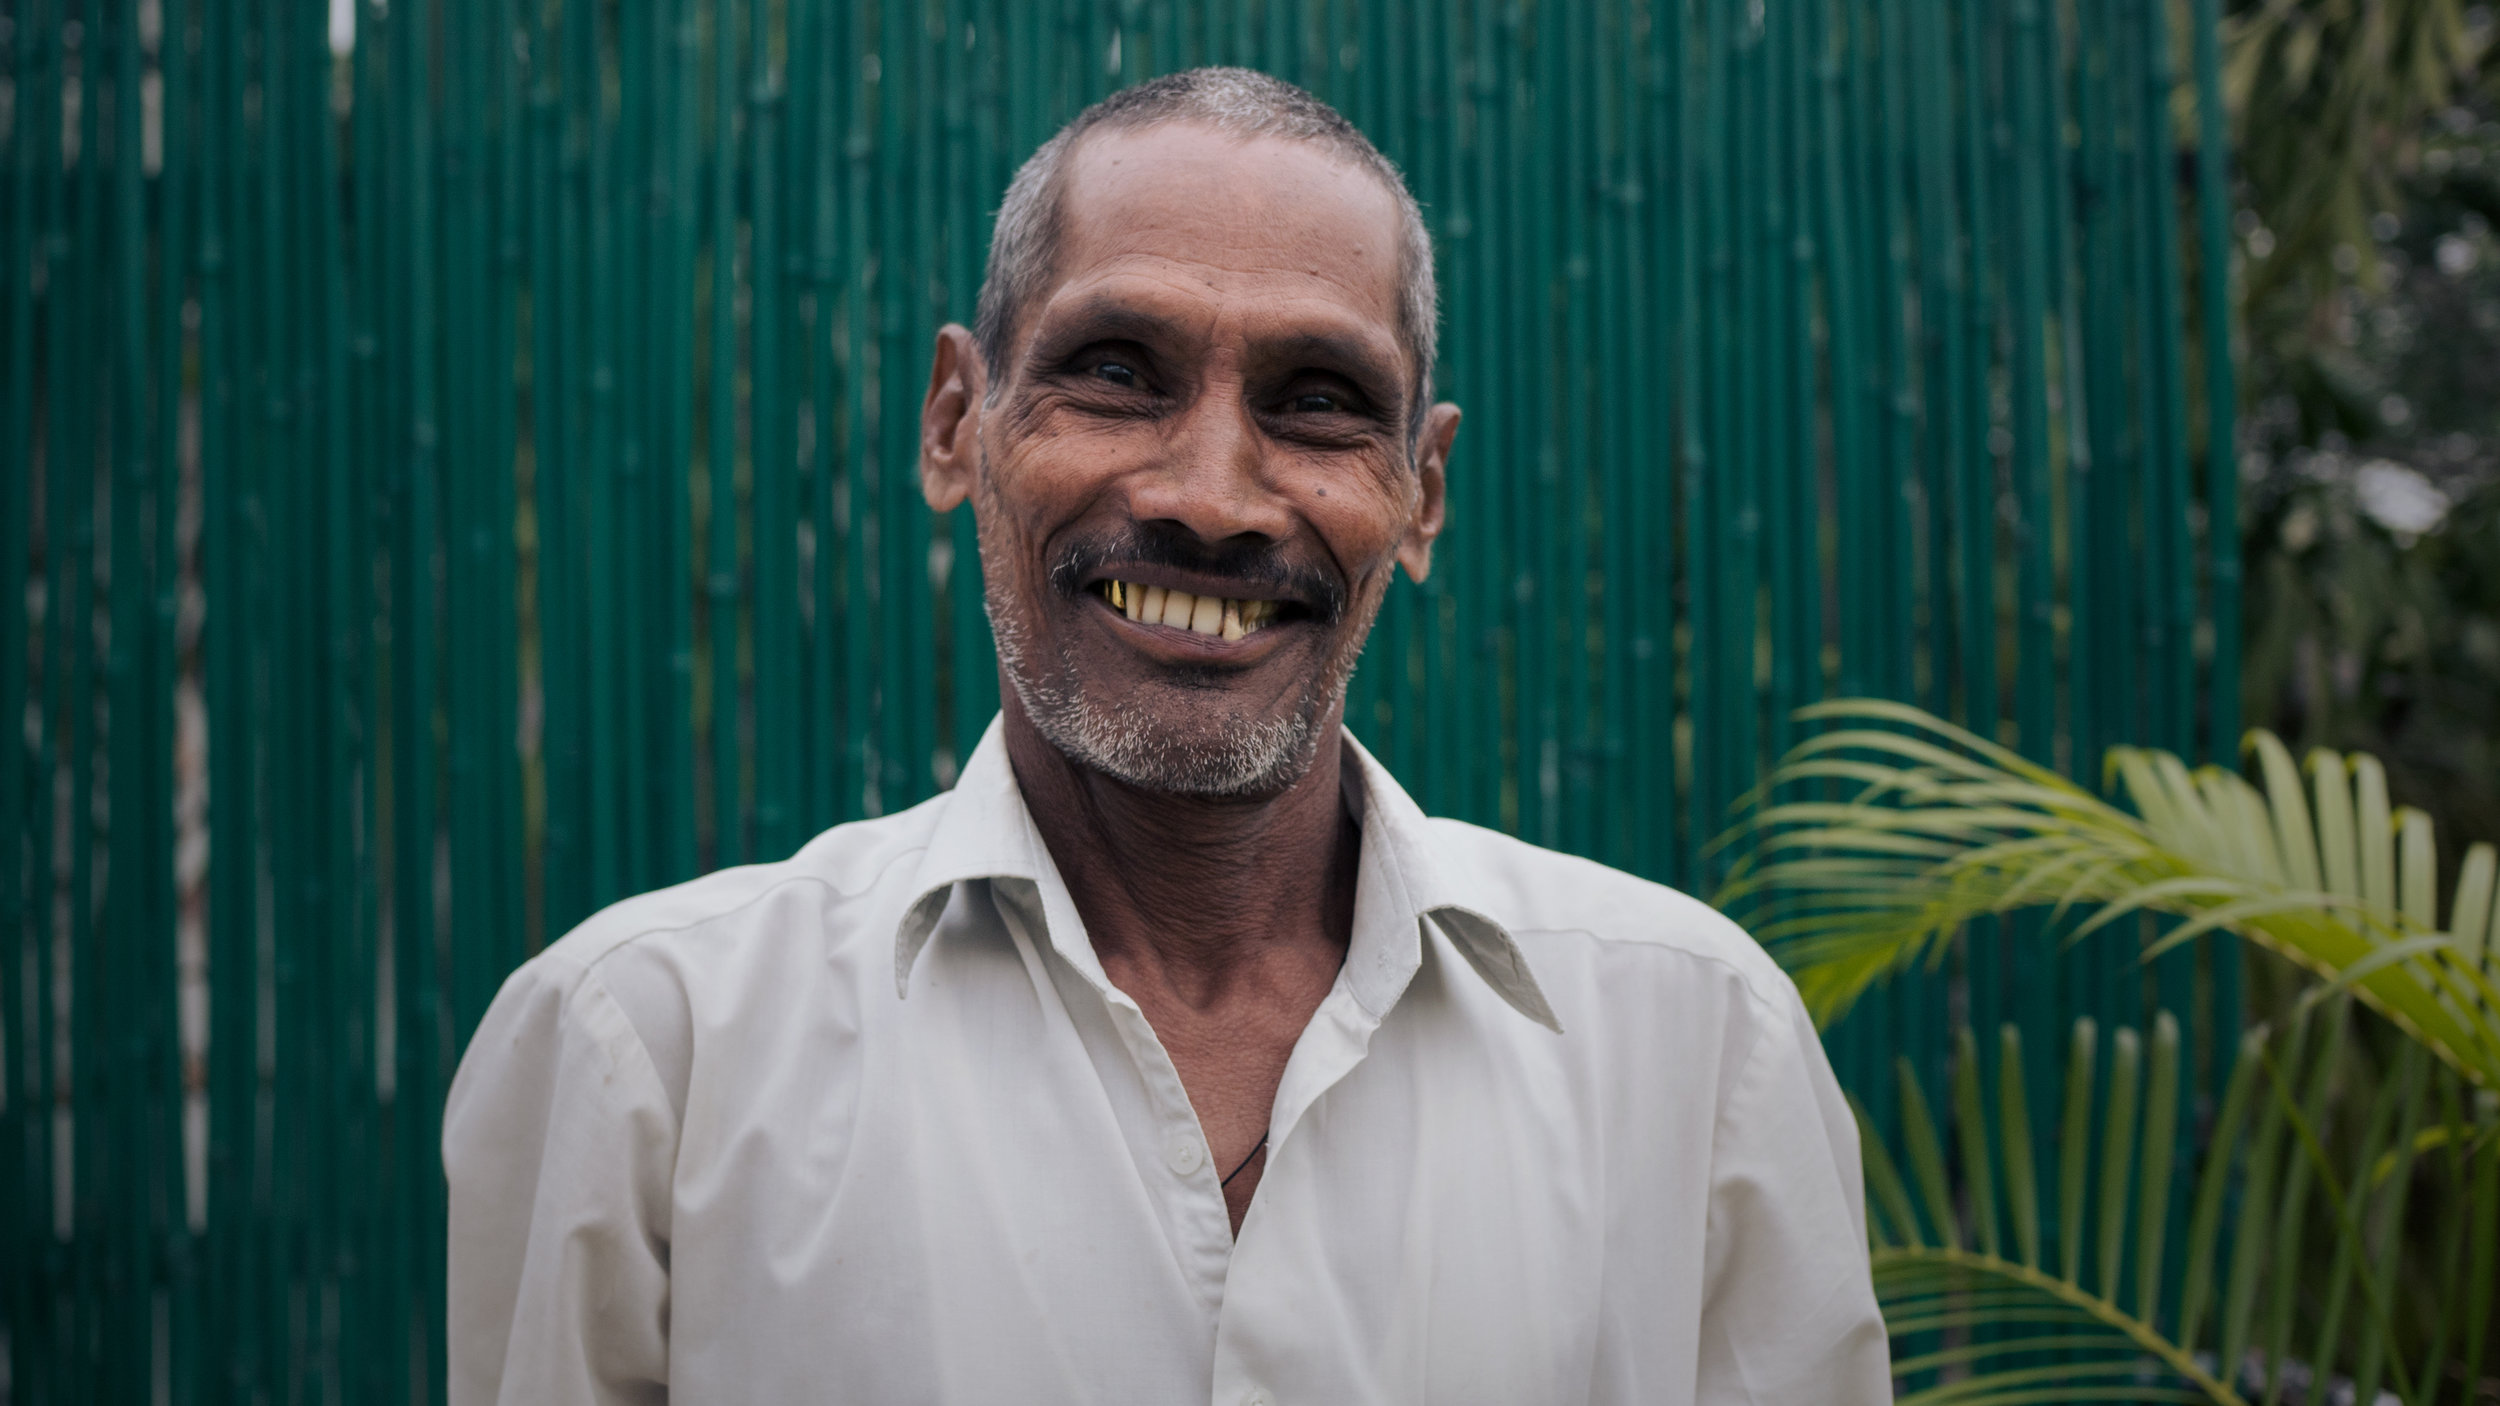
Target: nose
[1212,475]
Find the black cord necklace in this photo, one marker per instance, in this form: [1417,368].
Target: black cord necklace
[1245,1162]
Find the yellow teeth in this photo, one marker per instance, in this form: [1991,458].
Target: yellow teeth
[1205,615]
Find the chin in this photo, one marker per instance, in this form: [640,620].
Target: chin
[1210,755]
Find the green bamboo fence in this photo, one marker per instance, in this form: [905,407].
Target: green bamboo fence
[459,470]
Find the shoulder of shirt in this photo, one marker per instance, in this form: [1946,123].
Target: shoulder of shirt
[1542,895]
[845,862]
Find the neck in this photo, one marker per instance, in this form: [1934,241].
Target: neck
[1195,893]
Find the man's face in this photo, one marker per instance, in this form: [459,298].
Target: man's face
[1195,481]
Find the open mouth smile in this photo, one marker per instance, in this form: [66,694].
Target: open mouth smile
[1218,617]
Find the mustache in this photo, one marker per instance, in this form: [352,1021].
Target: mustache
[1261,569]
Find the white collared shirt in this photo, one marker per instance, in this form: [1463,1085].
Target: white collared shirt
[872,1126]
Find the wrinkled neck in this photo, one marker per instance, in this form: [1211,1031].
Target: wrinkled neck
[1195,890]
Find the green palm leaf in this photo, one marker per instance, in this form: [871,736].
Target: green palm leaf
[1933,827]
[1983,1314]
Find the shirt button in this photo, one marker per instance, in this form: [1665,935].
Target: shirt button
[1184,1154]
[1258,1398]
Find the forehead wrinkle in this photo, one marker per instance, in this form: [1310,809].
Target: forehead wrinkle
[1269,206]
[1254,263]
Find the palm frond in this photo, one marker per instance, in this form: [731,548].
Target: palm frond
[1994,1299]
[1942,827]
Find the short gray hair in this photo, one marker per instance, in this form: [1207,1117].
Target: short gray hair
[1241,103]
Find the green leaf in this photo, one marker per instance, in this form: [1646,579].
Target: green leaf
[2293,834]
[2483,1276]
[2470,920]
[1883,1178]
[2377,833]
[2075,1145]
[1926,1151]
[2205,1221]
[1971,1140]
[2161,1118]
[2336,834]
[2117,1155]
[1949,828]
[2248,1281]
[2022,1184]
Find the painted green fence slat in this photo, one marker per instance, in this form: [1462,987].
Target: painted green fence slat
[461,469]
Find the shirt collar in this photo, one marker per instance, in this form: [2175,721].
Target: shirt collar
[985,832]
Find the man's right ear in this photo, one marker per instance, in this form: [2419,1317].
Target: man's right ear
[950,419]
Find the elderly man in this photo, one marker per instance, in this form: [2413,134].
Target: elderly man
[1174,1055]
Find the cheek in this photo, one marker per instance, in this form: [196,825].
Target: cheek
[1033,495]
[1362,515]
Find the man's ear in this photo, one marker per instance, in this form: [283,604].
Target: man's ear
[950,419]
[1432,461]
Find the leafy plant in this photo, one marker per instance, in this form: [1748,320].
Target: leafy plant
[2345,1218]
[2012,1297]
[1940,827]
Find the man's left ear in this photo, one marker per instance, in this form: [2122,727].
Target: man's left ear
[950,419]
[1432,460]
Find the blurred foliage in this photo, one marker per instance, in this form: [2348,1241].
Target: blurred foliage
[2367,136]
[2288,1220]
[2357,1162]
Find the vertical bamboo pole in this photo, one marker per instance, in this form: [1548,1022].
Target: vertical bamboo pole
[172,1193]
[1699,392]
[1570,617]
[1615,835]
[630,135]
[775,492]
[1654,715]
[225,648]
[901,526]
[23,1230]
[121,941]
[1804,639]
[720,619]
[72,451]
[673,475]
[605,503]
[863,622]
[913,147]
[328,694]
[422,1059]
[829,718]
[978,172]
[1786,513]
[563,894]
[1484,609]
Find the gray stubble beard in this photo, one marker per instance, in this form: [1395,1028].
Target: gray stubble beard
[1246,756]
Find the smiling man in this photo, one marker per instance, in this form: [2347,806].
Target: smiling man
[1174,1055]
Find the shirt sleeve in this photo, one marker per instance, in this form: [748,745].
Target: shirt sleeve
[1789,1309]
[559,1144]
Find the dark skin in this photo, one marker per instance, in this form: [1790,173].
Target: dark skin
[1216,358]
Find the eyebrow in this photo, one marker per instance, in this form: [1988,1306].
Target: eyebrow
[1100,318]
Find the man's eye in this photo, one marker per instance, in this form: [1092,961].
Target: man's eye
[1117,373]
[1316,403]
